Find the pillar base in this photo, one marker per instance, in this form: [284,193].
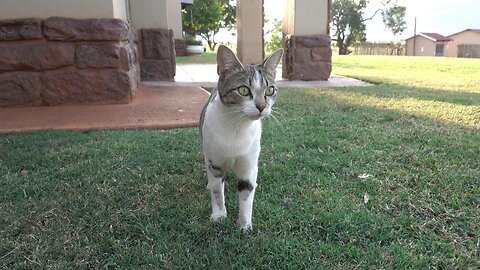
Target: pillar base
[307,57]
[60,61]
[157,55]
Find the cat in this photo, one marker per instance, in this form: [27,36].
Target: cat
[230,129]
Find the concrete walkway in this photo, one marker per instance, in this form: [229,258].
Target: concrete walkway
[157,105]
[205,75]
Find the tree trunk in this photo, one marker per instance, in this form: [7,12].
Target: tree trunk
[212,45]
[342,50]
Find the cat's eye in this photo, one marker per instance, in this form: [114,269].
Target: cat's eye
[270,91]
[244,91]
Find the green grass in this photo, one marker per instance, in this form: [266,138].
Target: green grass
[137,199]
[205,58]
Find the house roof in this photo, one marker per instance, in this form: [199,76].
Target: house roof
[477,31]
[433,37]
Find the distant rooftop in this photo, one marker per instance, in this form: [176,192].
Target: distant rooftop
[477,31]
[436,36]
[433,36]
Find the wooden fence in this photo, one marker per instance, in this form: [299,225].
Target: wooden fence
[371,48]
[469,50]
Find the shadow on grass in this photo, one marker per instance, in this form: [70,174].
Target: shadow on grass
[391,90]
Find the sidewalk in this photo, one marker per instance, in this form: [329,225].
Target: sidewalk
[157,105]
[205,75]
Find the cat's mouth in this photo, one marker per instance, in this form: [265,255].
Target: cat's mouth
[257,116]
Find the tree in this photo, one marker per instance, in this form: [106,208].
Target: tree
[275,33]
[205,18]
[229,15]
[349,22]
[394,19]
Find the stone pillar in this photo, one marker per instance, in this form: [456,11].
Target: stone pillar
[175,23]
[157,46]
[308,55]
[175,18]
[66,61]
[250,43]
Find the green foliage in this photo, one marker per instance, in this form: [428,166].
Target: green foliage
[205,18]
[229,15]
[348,23]
[394,19]
[275,41]
[190,40]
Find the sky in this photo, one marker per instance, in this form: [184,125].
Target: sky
[445,17]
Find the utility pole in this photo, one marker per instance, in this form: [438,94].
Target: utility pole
[414,36]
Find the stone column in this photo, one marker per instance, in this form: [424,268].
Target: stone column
[55,52]
[157,47]
[308,55]
[175,23]
[250,43]
[66,61]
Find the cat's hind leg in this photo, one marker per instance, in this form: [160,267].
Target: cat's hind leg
[216,177]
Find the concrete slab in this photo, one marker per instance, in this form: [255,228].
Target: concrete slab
[153,107]
[205,75]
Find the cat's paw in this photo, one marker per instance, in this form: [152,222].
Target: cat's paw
[218,217]
[243,225]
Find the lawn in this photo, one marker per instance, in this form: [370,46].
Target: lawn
[381,177]
[205,58]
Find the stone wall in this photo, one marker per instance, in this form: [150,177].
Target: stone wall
[67,61]
[157,55]
[307,58]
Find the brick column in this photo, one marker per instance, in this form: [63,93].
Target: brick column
[157,55]
[156,39]
[66,61]
[308,55]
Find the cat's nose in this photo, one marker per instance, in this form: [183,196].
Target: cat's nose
[260,107]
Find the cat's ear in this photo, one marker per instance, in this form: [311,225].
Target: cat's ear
[270,64]
[226,61]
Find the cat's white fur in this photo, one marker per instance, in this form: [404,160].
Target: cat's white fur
[236,148]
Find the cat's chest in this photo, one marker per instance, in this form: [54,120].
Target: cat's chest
[225,133]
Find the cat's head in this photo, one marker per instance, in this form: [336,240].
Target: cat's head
[249,89]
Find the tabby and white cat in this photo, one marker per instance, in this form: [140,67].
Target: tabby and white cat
[230,128]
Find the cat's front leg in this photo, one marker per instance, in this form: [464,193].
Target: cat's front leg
[216,186]
[246,169]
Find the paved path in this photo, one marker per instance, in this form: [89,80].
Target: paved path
[157,105]
[206,76]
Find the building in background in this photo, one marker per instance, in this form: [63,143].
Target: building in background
[427,44]
[465,43]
